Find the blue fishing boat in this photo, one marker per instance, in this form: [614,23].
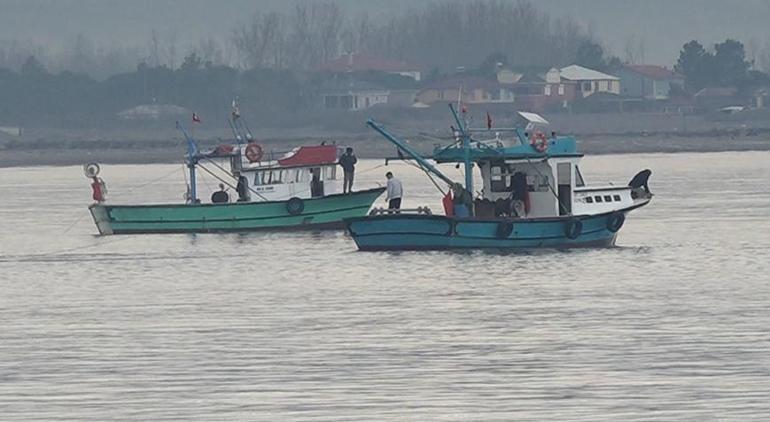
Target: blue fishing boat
[533,195]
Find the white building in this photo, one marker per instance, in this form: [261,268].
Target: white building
[590,81]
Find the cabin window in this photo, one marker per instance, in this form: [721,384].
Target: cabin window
[303,175]
[579,178]
[330,173]
[561,89]
[586,86]
[496,179]
[616,198]
[589,200]
[598,198]
[289,175]
[274,177]
[607,198]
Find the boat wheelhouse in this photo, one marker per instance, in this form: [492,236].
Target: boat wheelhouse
[533,195]
[304,172]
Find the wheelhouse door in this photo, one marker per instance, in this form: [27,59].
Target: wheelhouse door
[564,178]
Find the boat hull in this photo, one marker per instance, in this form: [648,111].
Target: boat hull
[318,213]
[434,232]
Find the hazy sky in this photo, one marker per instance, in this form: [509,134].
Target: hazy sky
[662,25]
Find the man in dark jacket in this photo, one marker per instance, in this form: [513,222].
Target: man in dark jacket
[348,163]
[220,196]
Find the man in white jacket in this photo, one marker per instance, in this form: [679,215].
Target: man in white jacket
[394,193]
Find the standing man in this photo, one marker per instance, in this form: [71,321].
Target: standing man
[395,192]
[348,163]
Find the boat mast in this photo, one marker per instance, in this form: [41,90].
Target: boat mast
[192,161]
[466,138]
[409,151]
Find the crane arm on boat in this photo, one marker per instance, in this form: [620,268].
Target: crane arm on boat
[410,152]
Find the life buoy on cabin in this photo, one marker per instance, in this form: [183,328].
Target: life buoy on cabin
[573,228]
[295,206]
[504,229]
[254,152]
[539,142]
[615,221]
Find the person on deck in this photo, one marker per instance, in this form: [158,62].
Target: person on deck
[316,184]
[462,199]
[348,163]
[220,196]
[520,193]
[242,189]
[394,192]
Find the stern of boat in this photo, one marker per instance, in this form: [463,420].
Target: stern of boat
[101,218]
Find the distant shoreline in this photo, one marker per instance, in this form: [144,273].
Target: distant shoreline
[375,148]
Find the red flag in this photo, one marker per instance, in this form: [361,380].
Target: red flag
[489,121]
[195,118]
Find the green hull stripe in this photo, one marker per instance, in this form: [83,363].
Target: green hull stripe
[239,219]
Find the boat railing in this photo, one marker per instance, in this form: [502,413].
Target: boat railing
[385,211]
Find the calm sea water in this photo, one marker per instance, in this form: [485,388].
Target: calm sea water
[673,324]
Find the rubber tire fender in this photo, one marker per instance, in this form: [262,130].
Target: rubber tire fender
[504,229]
[295,206]
[615,221]
[573,228]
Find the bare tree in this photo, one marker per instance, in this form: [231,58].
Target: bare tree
[633,49]
[259,43]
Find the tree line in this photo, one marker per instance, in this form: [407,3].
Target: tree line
[725,65]
[441,35]
[269,60]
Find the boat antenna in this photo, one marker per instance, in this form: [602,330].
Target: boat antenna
[235,117]
[236,135]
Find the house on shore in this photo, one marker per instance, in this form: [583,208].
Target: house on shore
[648,81]
[712,98]
[363,62]
[537,90]
[475,90]
[154,112]
[347,93]
[589,81]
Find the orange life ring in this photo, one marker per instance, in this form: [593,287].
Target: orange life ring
[254,152]
[539,142]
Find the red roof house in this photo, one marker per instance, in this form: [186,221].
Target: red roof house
[362,62]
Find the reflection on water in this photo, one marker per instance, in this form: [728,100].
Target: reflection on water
[671,324]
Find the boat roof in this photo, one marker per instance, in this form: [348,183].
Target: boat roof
[558,147]
[304,156]
[533,117]
[310,156]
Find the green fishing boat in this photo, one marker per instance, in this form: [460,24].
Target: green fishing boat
[300,190]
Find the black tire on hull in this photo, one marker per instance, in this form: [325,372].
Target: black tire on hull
[573,228]
[615,221]
[504,229]
[295,206]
